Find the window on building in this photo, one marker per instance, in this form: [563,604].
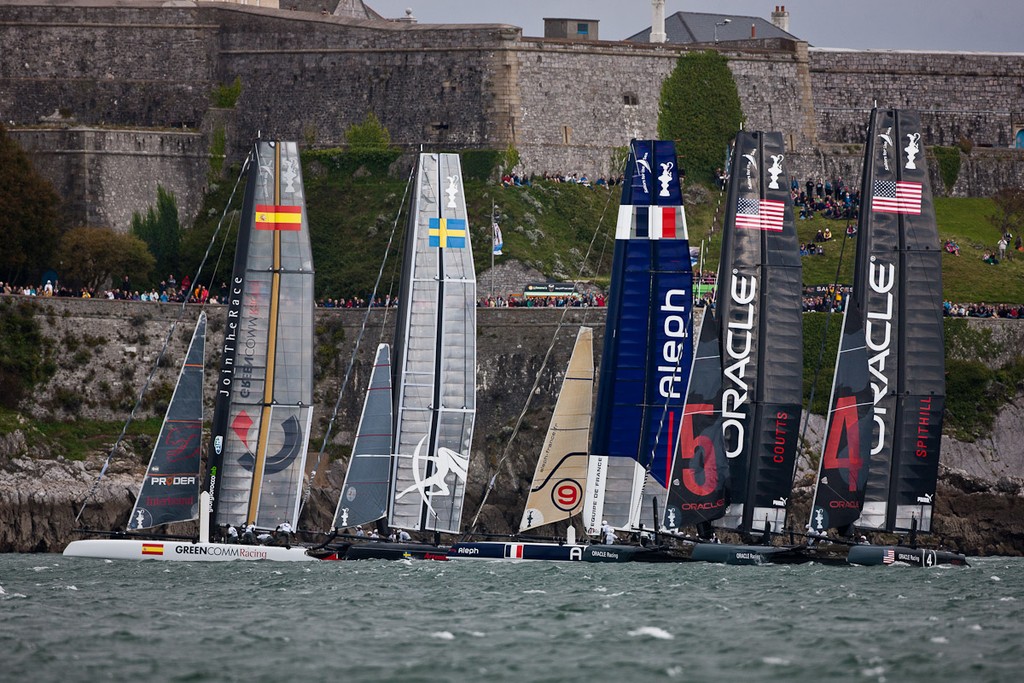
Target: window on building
[566,135]
[630,99]
[582,29]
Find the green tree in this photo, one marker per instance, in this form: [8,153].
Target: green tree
[95,256]
[29,221]
[700,109]
[161,232]
[1009,215]
[368,136]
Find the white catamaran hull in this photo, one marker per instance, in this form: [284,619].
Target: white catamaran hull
[182,551]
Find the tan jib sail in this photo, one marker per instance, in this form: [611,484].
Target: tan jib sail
[561,474]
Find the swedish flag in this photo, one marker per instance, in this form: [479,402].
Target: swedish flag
[448,233]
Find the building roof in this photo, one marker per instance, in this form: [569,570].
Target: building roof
[698,27]
[355,9]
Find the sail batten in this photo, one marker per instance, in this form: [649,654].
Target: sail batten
[263,410]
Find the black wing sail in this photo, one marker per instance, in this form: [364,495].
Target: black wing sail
[699,490]
[921,386]
[843,468]
[759,310]
[779,392]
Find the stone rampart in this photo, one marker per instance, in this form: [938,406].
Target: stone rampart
[977,96]
[107,175]
[566,105]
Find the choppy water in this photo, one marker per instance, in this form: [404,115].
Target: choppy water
[90,620]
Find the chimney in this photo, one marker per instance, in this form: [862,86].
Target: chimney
[658,21]
[753,30]
[780,17]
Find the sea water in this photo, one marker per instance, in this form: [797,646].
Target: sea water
[74,619]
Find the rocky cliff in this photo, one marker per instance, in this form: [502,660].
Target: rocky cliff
[105,351]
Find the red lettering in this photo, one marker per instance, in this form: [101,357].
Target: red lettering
[844,419]
[688,445]
[567,495]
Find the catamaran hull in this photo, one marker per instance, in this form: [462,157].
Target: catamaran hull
[874,555]
[727,553]
[553,552]
[182,551]
[395,551]
[498,550]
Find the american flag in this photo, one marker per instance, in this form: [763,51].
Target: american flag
[897,196]
[760,214]
[889,556]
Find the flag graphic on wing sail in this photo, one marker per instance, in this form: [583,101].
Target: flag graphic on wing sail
[447,233]
[760,214]
[897,196]
[271,217]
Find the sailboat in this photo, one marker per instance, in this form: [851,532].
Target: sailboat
[263,407]
[880,458]
[434,377]
[556,493]
[647,346]
[737,446]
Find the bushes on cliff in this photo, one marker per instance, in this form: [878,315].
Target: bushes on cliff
[700,110]
[30,215]
[26,359]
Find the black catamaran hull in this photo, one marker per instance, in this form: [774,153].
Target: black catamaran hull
[875,555]
[727,553]
[395,551]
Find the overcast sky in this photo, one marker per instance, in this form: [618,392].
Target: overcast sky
[974,25]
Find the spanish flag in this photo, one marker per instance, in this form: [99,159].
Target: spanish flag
[447,232]
[271,217]
[152,548]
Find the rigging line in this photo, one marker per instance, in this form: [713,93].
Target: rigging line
[395,267]
[159,357]
[821,350]
[355,351]
[536,383]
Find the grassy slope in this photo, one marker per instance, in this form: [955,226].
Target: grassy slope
[551,227]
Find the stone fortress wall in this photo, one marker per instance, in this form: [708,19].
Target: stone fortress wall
[112,97]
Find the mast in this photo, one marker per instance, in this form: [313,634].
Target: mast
[780,366]
[759,317]
[435,370]
[170,489]
[898,294]
[263,409]
[648,345]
